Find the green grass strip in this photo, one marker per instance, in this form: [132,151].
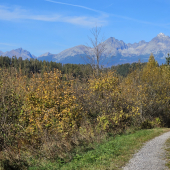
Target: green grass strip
[113,153]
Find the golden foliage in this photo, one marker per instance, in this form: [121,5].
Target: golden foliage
[52,112]
[51,103]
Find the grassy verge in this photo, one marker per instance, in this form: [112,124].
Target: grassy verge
[112,153]
[167,149]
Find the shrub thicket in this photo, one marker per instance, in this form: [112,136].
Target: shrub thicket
[48,115]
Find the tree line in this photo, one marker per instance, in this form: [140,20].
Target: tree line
[34,66]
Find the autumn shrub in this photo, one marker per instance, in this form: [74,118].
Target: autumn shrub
[148,90]
[46,116]
[146,124]
[104,105]
[52,117]
[58,115]
[11,101]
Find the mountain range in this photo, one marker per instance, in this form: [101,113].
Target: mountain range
[116,52]
[18,53]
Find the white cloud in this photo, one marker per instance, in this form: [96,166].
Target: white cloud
[7,13]
[8,44]
[17,13]
[109,15]
[79,6]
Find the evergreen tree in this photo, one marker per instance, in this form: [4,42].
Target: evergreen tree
[167,60]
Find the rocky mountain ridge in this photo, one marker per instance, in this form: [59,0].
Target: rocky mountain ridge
[18,53]
[117,50]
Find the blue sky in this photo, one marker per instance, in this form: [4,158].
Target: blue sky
[41,26]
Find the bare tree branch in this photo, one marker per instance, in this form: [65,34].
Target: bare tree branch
[96,55]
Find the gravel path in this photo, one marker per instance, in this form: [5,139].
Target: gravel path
[151,155]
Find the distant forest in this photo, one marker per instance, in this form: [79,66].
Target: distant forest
[29,67]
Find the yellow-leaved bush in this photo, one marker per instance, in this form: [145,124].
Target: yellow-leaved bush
[51,104]
[148,90]
[107,107]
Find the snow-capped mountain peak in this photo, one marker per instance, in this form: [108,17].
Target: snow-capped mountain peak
[161,35]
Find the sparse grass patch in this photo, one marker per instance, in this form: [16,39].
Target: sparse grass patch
[112,153]
[167,148]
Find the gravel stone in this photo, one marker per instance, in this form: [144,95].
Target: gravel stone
[150,156]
